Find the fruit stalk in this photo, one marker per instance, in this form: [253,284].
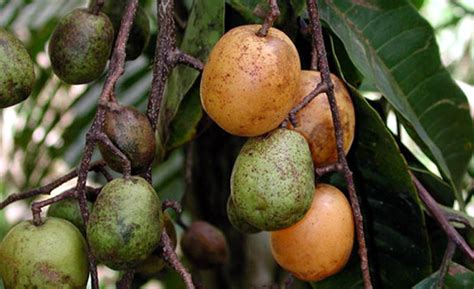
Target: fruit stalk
[126,280]
[272,15]
[318,43]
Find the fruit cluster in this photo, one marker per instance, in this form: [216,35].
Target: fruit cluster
[249,85]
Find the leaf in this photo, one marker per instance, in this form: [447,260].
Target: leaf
[395,49]
[441,191]
[204,28]
[457,278]
[395,226]
[183,127]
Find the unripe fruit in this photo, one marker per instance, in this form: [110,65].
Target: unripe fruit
[80,46]
[139,32]
[205,245]
[69,210]
[131,132]
[50,256]
[126,223]
[249,83]
[315,119]
[236,219]
[17,74]
[272,181]
[320,244]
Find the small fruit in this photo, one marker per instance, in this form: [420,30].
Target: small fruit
[131,131]
[69,210]
[126,223]
[249,83]
[205,245]
[320,244]
[50,256]
[17,74]
[140,31]
[236,219]
[315,119]
[272,181]
[80,46]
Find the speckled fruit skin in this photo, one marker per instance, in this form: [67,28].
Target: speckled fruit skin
[17,74]
[315,120]
[126,223]
[320,244]
[272,181]
[140,31]
[131,131]
[69,210]
[205,245]
[236,219]
[80,46]
[249,83]
[51,256]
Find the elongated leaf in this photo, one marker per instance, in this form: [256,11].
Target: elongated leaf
[395,49]
[396,234]
[205,26]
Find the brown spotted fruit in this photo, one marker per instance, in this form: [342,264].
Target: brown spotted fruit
[131,132]
[272,181]
[205,245]
[126,223]
[17,74]
[50,256]
[315,119]
[80,46]
[249,83]
[320,244]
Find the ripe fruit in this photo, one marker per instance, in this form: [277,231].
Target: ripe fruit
[320,244]
[272,181]
[17,76]
[236,219]
[49,256]
[140,31]
[126,223]
[205,245]
[131,132]
[249,83]
[80,46]
[69,210]
[315,120]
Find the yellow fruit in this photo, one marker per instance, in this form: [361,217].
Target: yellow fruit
[249,83]
[320,244]
[315,119]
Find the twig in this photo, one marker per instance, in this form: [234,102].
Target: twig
[318,41]
[170,257]
[36,206]
[443,269]
[438,214]
[171,204]
[320,88]
[126,280]
[272,15]
[97,6]
[337,167]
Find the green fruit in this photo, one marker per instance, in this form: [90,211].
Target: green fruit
[154,263]
[126,223]
[17,74]
[272,182]
[205,245]
[131,132]
[139,32]
[236,219]
[69,210]
[80,46]
[50,256]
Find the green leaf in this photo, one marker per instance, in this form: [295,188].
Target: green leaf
[183,127]
[204,28]
[395,226]
[395,49]
[441,191]
[457,278]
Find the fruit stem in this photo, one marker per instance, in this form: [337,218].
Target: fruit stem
[126,280]
[272,15]
[96,6]
[442,219]
[320,88]
[444,267]
[36,206]
[318,46]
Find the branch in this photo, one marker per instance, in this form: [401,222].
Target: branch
[272,15]
[318,42]
[170,257]
[443,270]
